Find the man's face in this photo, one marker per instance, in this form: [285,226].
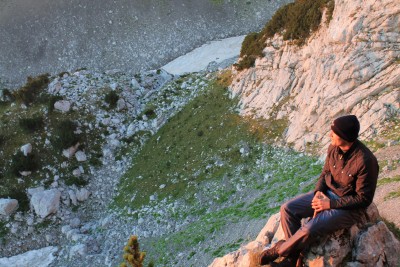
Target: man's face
[335,139]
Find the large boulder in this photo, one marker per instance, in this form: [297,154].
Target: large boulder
[8,206]
[368,243]
[46,202]
[35,258]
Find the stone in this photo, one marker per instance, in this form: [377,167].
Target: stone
[80,156]
[26,149]
[76,172]
[69,152]
[73,198]
[121,104]
[82,194]
[62,105]
[78,250]
[35,258]
[8,206]
[369,241]
[32,191]
[46,202]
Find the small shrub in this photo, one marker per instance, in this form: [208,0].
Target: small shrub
[111,99]
[31,89]
[73,180]
[7,95]
[19,162]
[133,256]
[64,135]
[31,125]
[150,113]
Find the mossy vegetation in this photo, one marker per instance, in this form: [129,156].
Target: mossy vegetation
[295,21]
[32,89]
[33,124]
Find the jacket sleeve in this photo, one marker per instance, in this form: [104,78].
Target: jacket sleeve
[364,187]
[321,185]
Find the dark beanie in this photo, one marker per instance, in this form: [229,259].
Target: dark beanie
[347,127]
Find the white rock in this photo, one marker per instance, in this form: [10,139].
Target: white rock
[62,105]
[121,104]
[8,206]
[73,198]
[75,222]
[25,173]
[134,83]
[82,194]
[32,191]
[34,258]
[80,156]
[78,250]
[69,152]
[77,172]
[46,202]
[26,149]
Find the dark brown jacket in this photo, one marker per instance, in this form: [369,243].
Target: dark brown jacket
[352,176]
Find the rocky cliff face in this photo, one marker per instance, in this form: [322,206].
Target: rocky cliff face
[351,65]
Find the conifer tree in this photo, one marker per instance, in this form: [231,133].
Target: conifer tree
[133,256]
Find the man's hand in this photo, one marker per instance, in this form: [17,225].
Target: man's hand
[320,202]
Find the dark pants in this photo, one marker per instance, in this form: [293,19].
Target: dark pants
[328,221]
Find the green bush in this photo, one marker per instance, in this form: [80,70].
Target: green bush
[112,99]
[32,88]
[19,162]
[31,125]
[64,136]
[296,21]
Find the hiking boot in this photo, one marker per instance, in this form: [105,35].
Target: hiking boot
[270,254]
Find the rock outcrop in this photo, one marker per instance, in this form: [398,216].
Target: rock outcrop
[349,66]
[46,202]
[369,243]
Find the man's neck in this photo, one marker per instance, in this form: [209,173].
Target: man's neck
[346,147]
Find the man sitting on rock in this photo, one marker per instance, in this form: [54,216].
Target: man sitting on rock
[344,190]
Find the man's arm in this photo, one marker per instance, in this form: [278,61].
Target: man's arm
[321,185]
[365,188]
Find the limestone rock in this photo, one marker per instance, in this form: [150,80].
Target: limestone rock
[62,105]
[69,152]
[368,243]
[78,250]
[8,206]
[344,68]
[26,149]
[46,202]
[80,156]
[82,194]
[34,258]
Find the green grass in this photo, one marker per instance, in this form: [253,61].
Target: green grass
[185,151]
[198,152]
[384,181]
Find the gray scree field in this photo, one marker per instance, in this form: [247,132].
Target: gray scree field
[39,36]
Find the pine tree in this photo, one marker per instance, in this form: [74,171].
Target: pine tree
[132,255]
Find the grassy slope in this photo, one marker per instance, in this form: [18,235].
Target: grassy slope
[196,155]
